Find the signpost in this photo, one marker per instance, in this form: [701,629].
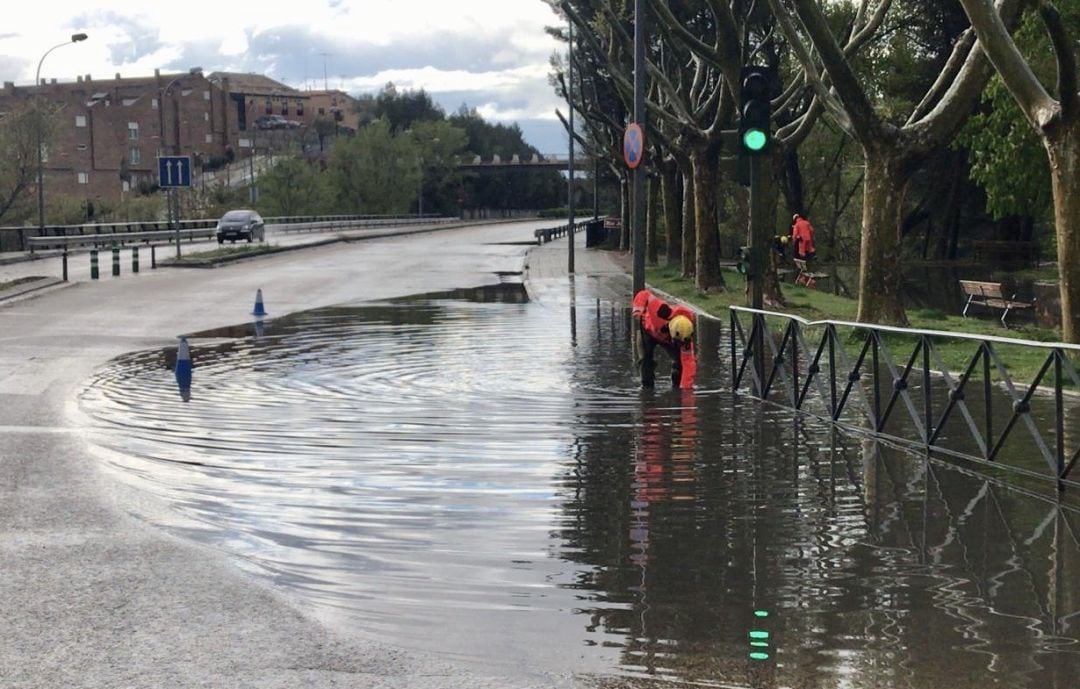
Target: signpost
[173,172]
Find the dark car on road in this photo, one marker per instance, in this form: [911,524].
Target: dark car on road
[241,224]
[275,122]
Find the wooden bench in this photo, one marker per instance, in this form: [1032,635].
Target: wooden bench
[989,294]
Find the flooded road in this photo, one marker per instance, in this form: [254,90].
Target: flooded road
[480,475]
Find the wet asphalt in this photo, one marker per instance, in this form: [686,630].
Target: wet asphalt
[92,596]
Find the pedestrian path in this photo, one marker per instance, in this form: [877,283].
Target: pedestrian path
[598,273]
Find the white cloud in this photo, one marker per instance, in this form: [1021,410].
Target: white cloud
[134,39]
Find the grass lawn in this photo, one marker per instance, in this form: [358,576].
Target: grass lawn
[1023,363]
[227,251]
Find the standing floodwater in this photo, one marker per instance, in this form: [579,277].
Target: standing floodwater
[481,475]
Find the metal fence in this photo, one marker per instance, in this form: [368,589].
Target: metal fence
[849,374]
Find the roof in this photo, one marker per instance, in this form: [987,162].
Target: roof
[253,84]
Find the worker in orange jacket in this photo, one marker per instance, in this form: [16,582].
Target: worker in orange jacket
[802,238]
[658,323]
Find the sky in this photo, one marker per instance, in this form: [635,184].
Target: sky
[491,55]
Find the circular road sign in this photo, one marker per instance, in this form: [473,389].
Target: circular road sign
[633,145]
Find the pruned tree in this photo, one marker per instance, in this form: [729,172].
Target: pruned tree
[1056,121]
[892,151]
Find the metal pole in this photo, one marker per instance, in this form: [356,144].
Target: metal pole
[759,179]
[570,175]
[75,38]
[172,220]
[639,171]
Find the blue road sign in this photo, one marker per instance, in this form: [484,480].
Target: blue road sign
[174,171]
[633,145]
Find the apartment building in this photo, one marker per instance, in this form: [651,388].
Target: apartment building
[110,132]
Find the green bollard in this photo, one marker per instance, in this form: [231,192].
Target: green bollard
[134,259]
[93,264]
[116,261]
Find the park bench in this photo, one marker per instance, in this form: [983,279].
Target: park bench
[990,295]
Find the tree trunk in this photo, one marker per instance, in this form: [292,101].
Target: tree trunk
[880,276]
[1063,147]
[707,257]
[689,238]
[652,223]
[671,190]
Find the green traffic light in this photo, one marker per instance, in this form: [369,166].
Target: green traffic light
[754,139]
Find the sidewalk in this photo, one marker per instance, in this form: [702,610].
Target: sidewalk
[598,273]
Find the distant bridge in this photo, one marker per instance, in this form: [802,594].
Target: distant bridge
[535,160]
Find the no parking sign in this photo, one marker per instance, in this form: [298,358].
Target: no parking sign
[633,145]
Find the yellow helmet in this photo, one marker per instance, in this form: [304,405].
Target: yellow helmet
[681,328]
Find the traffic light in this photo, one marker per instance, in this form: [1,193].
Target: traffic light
[755,132]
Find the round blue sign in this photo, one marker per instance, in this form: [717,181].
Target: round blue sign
[633,145]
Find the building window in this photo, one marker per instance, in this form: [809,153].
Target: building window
[322,111]
[153,104]
[134,158]
[83,178]
[206,95]
[269,107]
[284,106]
[80,147]
[130,101]
[206,117]
[133,131]
[125,185]
[299,107]
[80,120]
[209,138]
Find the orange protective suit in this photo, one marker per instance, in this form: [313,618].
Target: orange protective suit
[802,238]
[653,315]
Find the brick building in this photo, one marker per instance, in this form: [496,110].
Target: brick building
[110,132]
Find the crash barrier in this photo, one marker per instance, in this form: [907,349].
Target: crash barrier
[29,238]
[547,234]
[846,373]
[119,238]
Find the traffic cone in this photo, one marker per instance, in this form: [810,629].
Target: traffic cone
[183,369]
[259,310]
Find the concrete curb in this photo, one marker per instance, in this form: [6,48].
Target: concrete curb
[31,286]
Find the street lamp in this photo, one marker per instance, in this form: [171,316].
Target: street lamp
[161,109]
[75,38]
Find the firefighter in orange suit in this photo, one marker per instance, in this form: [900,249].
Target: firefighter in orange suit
[657,323]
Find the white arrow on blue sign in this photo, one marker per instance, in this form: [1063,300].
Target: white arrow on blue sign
[174,171]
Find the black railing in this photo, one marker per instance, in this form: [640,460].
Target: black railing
[811,367]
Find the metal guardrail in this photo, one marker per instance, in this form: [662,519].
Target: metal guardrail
[118,238]
[818,376]
[27,235]
[547,234]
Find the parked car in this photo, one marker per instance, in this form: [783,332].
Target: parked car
[241,224]
[275,122]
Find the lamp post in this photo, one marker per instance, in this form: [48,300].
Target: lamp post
[161,107]
[75,38]
[161,148]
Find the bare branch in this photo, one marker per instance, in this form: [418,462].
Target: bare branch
[1066,58]
[1037,105]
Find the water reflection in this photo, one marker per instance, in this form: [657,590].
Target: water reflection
[459,472]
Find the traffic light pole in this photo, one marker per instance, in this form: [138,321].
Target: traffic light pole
[638,195]
[759,231]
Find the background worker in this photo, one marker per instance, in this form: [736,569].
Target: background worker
[658,323]
[802,238]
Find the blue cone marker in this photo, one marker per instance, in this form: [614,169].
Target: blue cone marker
[259,309]
[183,369]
